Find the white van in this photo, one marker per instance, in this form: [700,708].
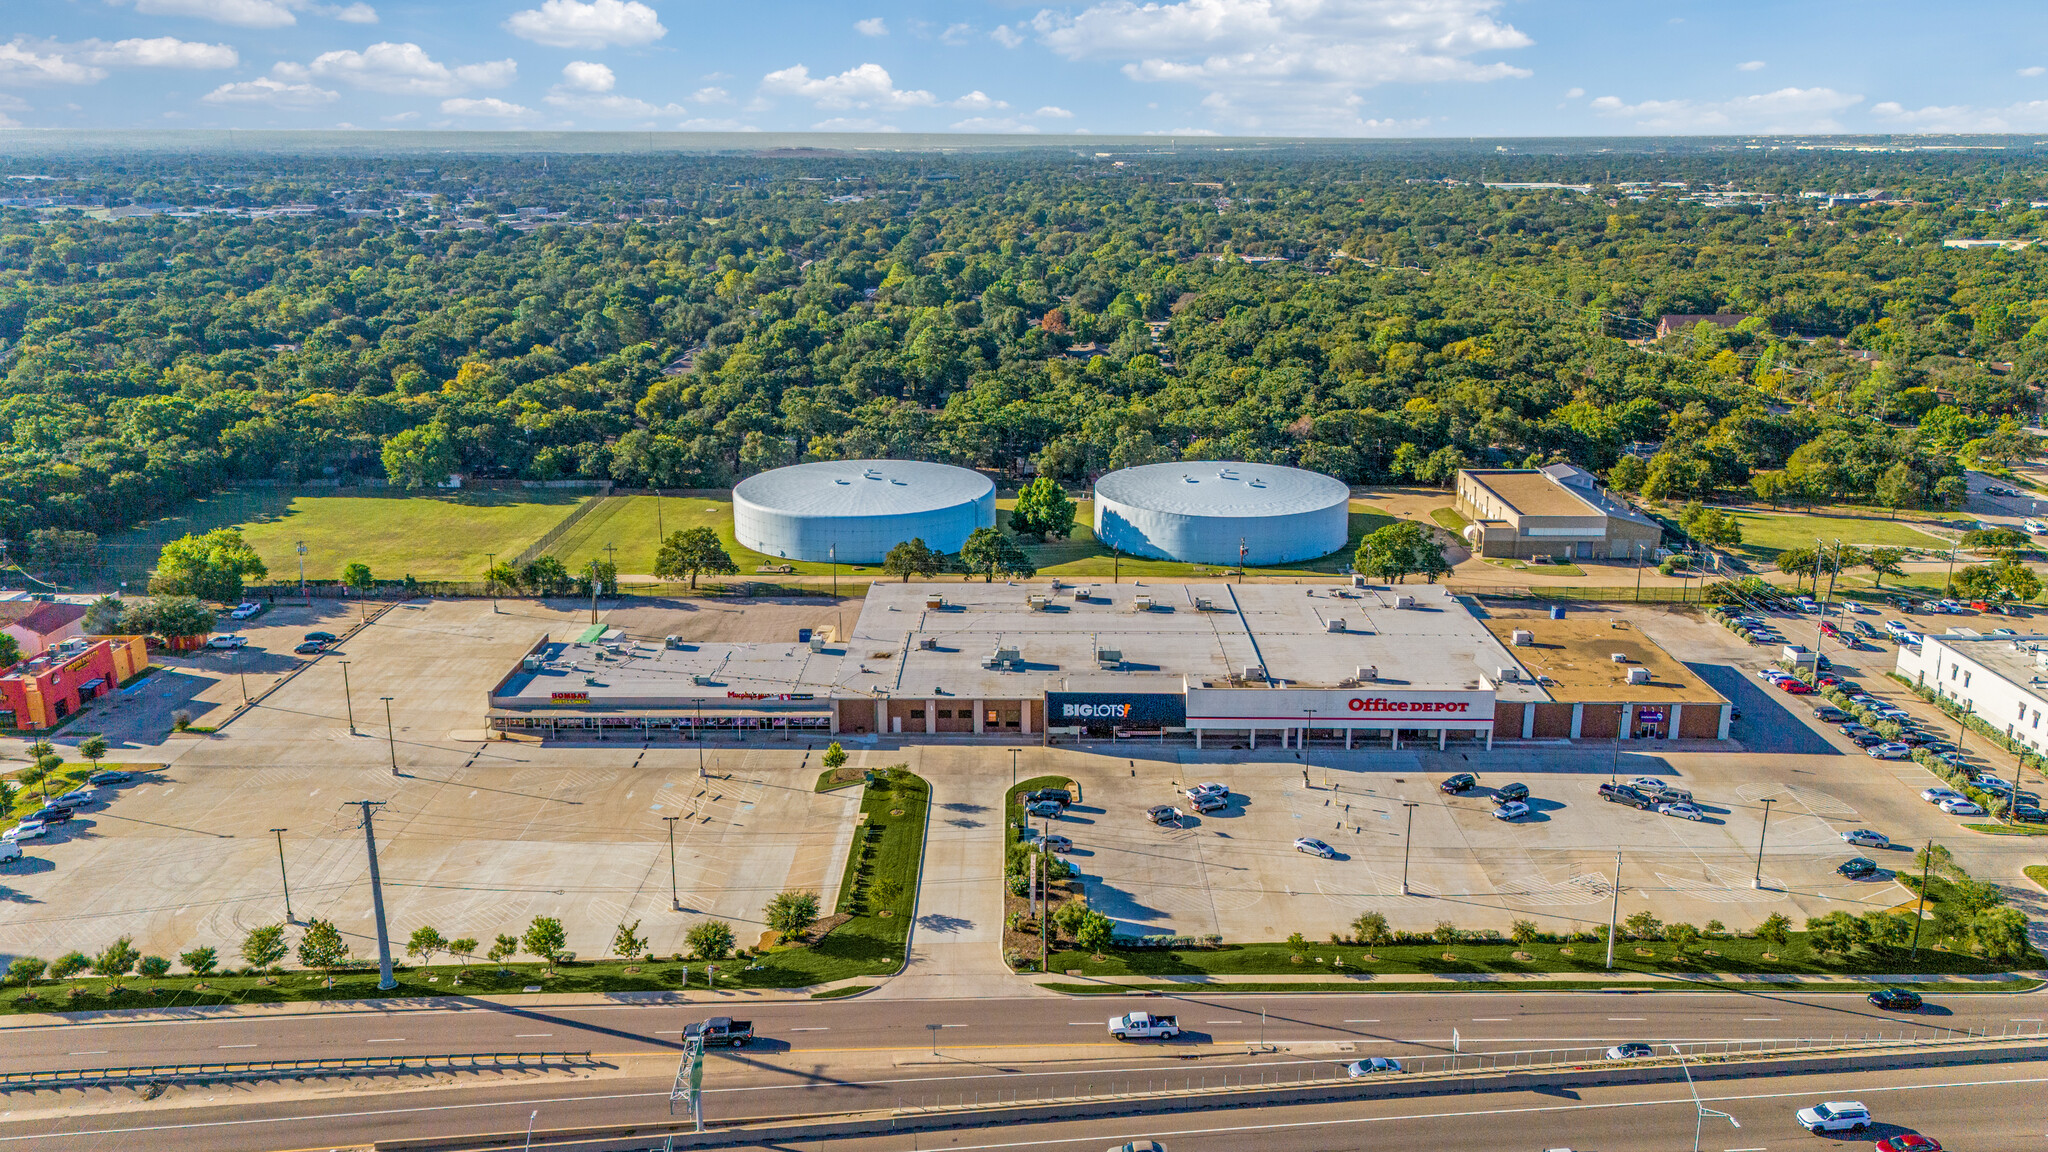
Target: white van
[9,850]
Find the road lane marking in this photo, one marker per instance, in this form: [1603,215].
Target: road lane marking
[810,1029]
[1491,1019]
[1631,1019]
[89,1052]
[387,1040]
[234,1045]
[530,1035]
[1082,1023]
[1222,1021]
[1374,1020]
[1761,1019]
[952,1025]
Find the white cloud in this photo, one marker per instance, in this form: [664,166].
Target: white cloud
[354,14]
[702,125]
[20,64]
[598,24]
[7,121]
[584,76]
[400,117]
[489,107]
[1296,64]
[2036,70]
[613,107]
[867,86]
[240,13]
[1186,132]
[407,70]
[985,124]
[978,100]
[274,91]
[872,26]
[711,95]
[1053,112]
[2029,116]
[1785,110]
[160,52]
[856,124]
[1007,36]
[956,34]
[1750,66]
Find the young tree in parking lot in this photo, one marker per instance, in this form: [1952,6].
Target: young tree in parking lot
[199,961]
[425,942]
[502,949]
[322,947]
[1643,925]
[1682,936]
[357,576]
[1523,932]
[1069,916]
[544,938]
[93,748]
[1445,933]
[627,943]
[711,940]
[835,756]
[1886,929]
[263,947]
[693,552]
[1715,929]
[1095,931]
[1835,932]
[793,912]
[26,970]
[116,959]
[1937,859]
[69,964]
[1370,929]
[463,948]
[153,967]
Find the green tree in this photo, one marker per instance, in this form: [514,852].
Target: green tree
[1982,539]
[26,970]
[357,576]
[1886,929]
[1068,917]
[199,961]
[2001,933]
[710,940]
[1884,562]
[420,457]
[209,567]
[1775,931]
[627,943]
[1445,933]
[1043,510]
[1773,488]
[463,948]
[263,947]
[10,650]
[502,949]
[544,938]
[1799,563]
[1898,488]
[501,577]
[93,748]
[1370,929]
[1951,491]
[1836,932]
[835,756]
[69,964]
[1095,932]
[989,552]
[1936,859]
[424,943]
[1682,936]
[544,575]
[169,617]
[322,948]
[103,616]
[153,967]
[1628,474]
[691,552]
[1643,925]
[116,958]
[1522,932]
[913,558]
[1397,551]
[792,913]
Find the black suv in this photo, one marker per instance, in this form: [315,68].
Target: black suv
[1463,781]
[1830,714]
[1895,999]
[1623,794]
[51,815]
[1508,792]
[1059,796]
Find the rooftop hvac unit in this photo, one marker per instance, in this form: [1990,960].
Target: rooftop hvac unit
[533,663]
[928,644]
[1367,673]
[1203,604]
[1522,637]
[1357,581]
[1333,625]
[1254,672]
[1404,601]
[700,680]
[1082,594]
[1141,604]
[934,603]
[1035,602]
[1109,657]
[817,641]
[1008,658]
[1639,675]
[672,642]
[1509,673]
[1618,657]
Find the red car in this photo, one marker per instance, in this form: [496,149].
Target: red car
[1909,1142]
[1795,688]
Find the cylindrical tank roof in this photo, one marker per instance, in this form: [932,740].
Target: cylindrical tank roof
[1215,488]
[854,488]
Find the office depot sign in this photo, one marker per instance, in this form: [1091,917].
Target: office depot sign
[1337,708]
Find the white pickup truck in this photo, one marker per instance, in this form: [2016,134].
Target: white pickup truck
[1144,1025]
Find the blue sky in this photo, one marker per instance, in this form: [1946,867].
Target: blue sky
[1227,67]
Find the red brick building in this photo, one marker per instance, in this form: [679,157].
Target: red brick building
[39,693]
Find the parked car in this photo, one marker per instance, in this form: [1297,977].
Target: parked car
[1059,796]
[1865,838]
[1047,809]
[228,640]
[1834,1116]
[1220,791]
[110,776]
[1207,802]
[1795,688]
[2030,813]
[1646,783]
[1371,1066]
[1895,999]
[1889,751]
[1314,847]
[322,637]
[1865,738]
[1163,814]
[75,799]
[1912,737]
[244,610]
[1682,810]
[1858,868]
[1960,807]
[1937,794]
[26,830]
[1771,674]
[1512,810]
[1056,843]
[1988,782]
[1629,1052]
[1511,792]
[1829,714]
[1623,794]
[50,814]
[1668,794]
[1463,781]
[310,648]
[1864,627]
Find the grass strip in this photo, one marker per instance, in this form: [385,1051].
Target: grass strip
[1356,988]
[841,993]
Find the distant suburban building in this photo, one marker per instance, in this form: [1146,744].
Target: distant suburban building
[39,625]
[1675,323]
[2003,680]
[1560,511]
[39,693]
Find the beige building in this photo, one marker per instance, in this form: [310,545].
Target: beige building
[1558,511]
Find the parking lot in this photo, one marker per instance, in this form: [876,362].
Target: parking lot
[475,838]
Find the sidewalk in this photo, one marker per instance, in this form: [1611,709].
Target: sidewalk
[1365,981]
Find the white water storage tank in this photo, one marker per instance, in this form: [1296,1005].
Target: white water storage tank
[1200,513]
[856,510]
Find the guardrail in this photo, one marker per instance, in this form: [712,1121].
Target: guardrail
[284,1069]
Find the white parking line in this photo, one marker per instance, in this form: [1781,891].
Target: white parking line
[1374,1020]
[952,1025]
[530,1035]
[1761,1019]
[810,1029]
[387,1040]
[1490,1019]
[1082,1023]
[234,1045]
[1222,1021]
[89,1052]
[1631,1019]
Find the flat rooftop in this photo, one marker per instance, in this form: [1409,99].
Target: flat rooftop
[903,646]
[638,674]
[1534,494]
[2013,657]
[1575,659]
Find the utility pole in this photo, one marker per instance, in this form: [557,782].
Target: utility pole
[390,736]
[1242,552]
[1920,912]
[1614,911]
[302,569]
[675,899]
[1757,881]
[1411,806]
[1639,573]
[385,982]
[1013,769]
[491,580]
[593,589]
[346,698]
[832,551]
[285,880]
[611,561]
[659,534]
[1700,1111]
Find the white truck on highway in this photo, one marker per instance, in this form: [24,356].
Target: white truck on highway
[1144,1025]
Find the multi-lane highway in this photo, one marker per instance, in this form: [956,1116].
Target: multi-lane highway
[833,1056]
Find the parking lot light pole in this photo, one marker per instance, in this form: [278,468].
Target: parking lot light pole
[347,698]
[1406,841]
[390,735]
[1013,769]
[302,569]
[1700,1111]
[1757,881]
[491,580]
[675,899]
[282,878]
[1920,911]
[1614,910]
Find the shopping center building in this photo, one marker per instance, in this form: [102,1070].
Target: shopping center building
[1222,665]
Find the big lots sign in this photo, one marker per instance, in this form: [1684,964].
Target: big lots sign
[1337,708]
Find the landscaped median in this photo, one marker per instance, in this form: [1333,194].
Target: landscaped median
[864,937]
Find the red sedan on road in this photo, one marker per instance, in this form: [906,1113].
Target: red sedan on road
[1909,1142]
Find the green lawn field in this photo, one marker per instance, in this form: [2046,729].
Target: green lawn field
[1764,535]
[442,536]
